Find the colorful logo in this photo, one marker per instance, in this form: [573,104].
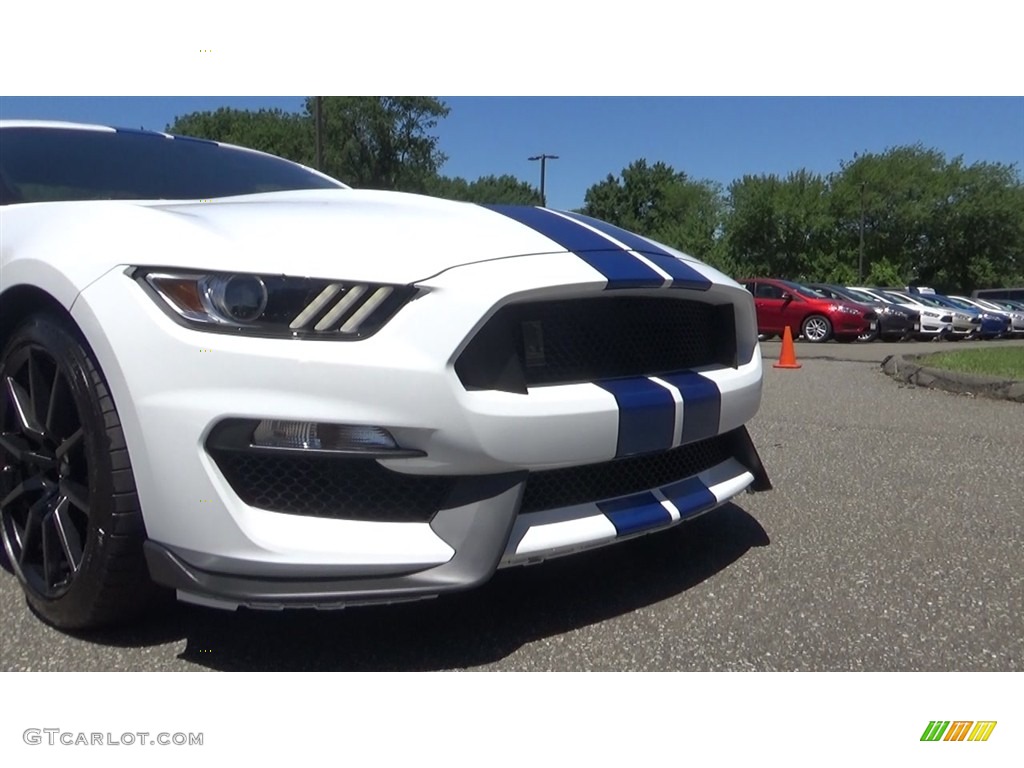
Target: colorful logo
[958,730]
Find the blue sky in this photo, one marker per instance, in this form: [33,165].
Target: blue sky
[717,138]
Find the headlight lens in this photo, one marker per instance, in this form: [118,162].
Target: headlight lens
[845,309]
[274,305]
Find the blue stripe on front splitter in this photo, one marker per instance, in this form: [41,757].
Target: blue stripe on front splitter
[683,275]
[647,415]
[702,404]
[690,497]
[619,267]
[633,514]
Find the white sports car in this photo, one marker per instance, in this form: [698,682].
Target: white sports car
[233,376]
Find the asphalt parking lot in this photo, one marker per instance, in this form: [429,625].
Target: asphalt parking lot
[892,541]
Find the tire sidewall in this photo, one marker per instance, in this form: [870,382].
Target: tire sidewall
[828,328]
[73,607]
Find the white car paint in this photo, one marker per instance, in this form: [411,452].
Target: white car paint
[173,383]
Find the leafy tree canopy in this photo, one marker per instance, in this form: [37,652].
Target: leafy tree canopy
[923,218]
[661,203]
[495,190]
[383,142]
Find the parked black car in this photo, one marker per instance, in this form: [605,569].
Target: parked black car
[893,321]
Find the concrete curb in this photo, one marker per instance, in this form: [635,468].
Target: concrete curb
[906,369]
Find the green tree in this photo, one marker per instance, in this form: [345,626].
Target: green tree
[376,142]
[381,142]
[281,133]
[895,192]
[495,190]
[977,228]
[926,219]
[661,203]
[782,227]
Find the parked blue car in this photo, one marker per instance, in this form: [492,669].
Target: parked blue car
[993,326]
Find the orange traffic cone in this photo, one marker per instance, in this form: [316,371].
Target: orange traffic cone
[787,357]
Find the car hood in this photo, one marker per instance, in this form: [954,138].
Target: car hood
[353,234]
[343,234]
[844,303]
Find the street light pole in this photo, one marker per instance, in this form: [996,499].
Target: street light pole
[860,267]
[543,162]
[319,122]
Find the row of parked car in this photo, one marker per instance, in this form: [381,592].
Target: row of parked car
[819,312]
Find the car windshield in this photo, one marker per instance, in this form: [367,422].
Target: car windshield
[929,300]
[863,296]
[803,290]
[960,304]
[48,164]
[945,303]
[851,296]
[901,299]
[987,304]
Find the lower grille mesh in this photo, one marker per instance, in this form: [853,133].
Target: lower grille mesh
[351,489]
[594,482]
[328,487]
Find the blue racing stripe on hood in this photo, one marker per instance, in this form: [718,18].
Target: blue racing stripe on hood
[620,268]
[683,275]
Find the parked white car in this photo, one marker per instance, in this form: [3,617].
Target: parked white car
[233,376]
[964,325]
[935,323]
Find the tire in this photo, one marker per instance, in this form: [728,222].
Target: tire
[70,519]
[816,329]
[765,336]
[870,335]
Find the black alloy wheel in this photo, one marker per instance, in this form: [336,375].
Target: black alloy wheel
[69,515]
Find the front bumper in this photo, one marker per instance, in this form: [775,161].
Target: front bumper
[898,324]
[484,535]
[174,385]
[846,324]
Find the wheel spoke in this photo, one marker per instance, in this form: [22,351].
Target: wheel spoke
[25,486]
[67,534]
[68,444]
[51,553]
[75,493]
[33,527]
[52,402]
[17,447]
[35,386]
[22,403]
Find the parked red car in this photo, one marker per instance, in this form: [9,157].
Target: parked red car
[818,318]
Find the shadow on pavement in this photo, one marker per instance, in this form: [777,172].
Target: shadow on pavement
[518,606]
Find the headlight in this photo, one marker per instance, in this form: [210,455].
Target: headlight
[274,305]
[844,309]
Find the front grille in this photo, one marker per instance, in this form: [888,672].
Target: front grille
[361,489]
[350,489]
[580,340]
[555,488]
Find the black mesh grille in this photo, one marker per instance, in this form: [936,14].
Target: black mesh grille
[358,489]
[593,482]
[577,340]
[328,487]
